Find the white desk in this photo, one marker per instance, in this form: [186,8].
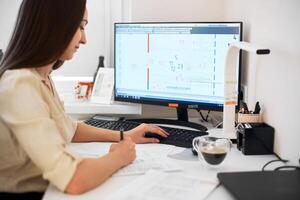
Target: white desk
[235,161]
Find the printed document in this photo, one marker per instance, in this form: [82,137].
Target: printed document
[157,185]
[146,159]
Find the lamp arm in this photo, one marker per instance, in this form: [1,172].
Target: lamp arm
[230,94]
[230,83]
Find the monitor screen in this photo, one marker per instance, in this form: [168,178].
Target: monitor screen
[173,63]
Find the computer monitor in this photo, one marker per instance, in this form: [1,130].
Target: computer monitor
[173,64]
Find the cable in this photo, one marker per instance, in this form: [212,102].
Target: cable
[203,118]
[281,167]
[287,167]
[279,160]
[218,125]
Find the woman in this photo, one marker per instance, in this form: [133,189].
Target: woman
[34,129]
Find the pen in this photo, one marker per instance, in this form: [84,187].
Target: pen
[257,108]
[244,108]
[121,134]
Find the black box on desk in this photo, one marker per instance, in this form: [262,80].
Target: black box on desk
[255,138]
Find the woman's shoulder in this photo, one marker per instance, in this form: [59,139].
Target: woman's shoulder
[11,80]
[18,73]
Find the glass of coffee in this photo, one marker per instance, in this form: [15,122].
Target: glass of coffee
[212,150]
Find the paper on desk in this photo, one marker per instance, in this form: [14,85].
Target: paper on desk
[145,161]
[155,185]
[146,157]
[156,150]
[92,149]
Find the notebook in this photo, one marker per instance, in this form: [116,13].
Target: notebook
[264,185]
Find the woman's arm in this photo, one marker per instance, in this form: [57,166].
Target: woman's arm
[87,133]
[92,172]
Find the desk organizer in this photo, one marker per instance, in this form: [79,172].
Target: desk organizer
[249,118]
[255,138]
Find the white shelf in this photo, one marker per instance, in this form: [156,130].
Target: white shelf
[116,108]
[81,109]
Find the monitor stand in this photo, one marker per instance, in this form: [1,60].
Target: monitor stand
[182,120]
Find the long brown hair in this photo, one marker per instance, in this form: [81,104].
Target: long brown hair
[42,32]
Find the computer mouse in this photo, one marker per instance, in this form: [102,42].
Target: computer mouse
[153,135]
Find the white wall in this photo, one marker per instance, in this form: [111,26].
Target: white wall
[8,14]
[85,60]
[177,10]
[275,24]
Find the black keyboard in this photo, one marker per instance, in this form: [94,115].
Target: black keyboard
[178,137]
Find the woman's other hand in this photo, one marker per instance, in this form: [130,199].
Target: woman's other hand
[125,150]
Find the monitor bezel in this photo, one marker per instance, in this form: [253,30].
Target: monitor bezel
[162,102]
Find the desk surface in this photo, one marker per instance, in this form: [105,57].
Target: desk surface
[235,161]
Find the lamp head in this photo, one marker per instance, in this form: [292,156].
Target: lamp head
[250,47]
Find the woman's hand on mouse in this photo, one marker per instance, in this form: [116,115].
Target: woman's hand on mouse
[138,134]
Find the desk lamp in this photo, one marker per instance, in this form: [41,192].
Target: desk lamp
[230,94]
